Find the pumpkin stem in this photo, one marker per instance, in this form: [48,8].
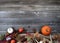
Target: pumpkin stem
[47,30]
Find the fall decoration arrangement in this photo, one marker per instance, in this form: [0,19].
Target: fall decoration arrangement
[19,36]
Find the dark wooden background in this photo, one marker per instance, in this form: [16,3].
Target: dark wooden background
[33,13]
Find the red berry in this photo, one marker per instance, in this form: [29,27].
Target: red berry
[21,30]
[13,41]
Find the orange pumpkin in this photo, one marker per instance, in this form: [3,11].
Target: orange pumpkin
[46,30]
[13,41]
